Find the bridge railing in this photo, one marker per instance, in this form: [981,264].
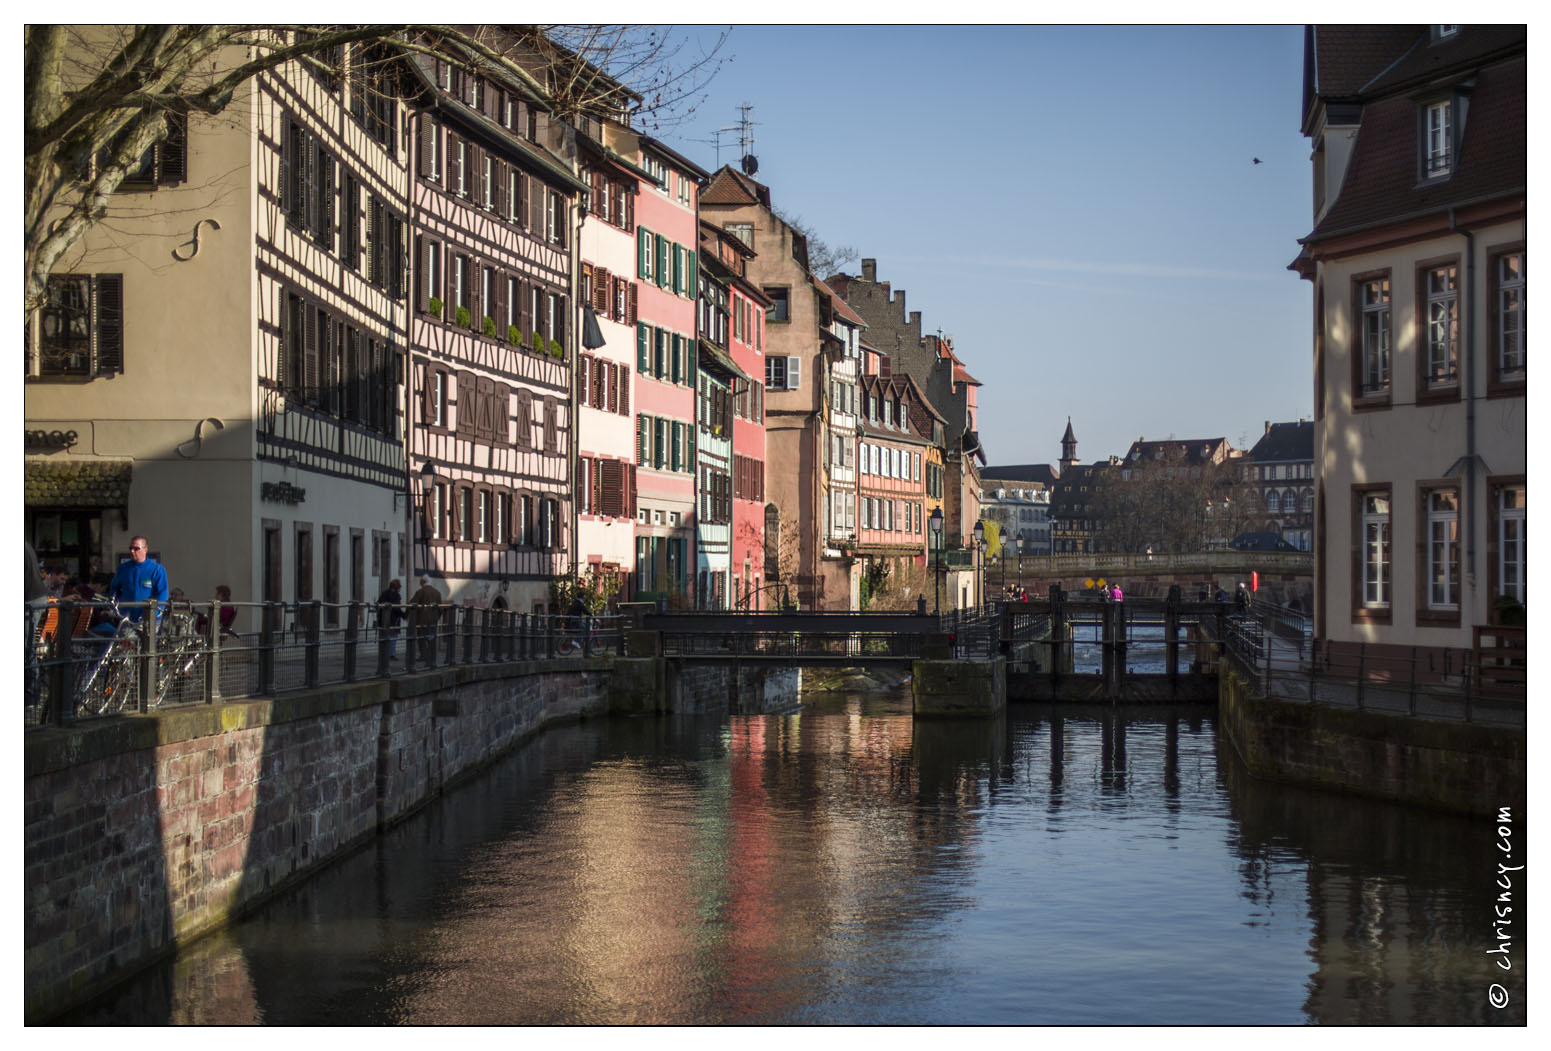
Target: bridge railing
[261,649]
[833,637]
[1421,682]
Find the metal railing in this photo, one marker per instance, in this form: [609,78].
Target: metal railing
[833,636]
[75,671]
[1422,682]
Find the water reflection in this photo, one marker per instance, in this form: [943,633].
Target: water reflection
[849,864]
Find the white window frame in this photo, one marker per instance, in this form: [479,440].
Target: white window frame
[1375,335]
[1511,542]
[1443,326]
[1377,577]
[1438,160]
[1442,549]
[1510,316]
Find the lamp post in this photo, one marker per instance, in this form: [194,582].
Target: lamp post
[1001,564]
[980,571]
[935,522]
[1017,548]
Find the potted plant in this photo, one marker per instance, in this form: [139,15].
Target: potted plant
[514,335]
[463,317]
[555,349]
[435,307]
[538,341]
[490,326]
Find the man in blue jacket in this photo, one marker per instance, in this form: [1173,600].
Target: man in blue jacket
[138,579]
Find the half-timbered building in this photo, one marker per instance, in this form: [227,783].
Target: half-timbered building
[222,363]
[494,219]
[606,427]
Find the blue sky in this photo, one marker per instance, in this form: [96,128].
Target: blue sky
[1078,207]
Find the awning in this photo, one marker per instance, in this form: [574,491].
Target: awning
[77,483]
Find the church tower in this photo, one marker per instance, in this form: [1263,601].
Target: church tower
[1068,447]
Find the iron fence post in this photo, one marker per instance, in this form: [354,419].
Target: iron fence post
[311,624]
[450,615]
[352,636]
[1411,700]
[62,675]
[267,648]
[213,649]
[148,669]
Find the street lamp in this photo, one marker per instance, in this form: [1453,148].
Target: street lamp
[935,522]
[1017,550]
[980,573]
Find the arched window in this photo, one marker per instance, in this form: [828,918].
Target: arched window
[1289,501]
[1308,500]
[1273,501]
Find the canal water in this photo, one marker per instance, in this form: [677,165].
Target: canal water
[848,864]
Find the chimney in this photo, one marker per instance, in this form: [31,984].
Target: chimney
[870,270]
[1268,426]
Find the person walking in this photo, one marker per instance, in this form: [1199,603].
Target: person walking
[426,600]
[138,579]
[390,614]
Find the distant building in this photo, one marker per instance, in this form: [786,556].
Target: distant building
[1023,514]
[1279,477]
[1418,260]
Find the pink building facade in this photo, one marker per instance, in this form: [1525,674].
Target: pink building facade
[664,271]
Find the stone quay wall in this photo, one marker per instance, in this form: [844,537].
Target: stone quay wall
[146,831]
[1465,768]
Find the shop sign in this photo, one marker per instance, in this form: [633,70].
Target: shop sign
[51,439]
[282,493]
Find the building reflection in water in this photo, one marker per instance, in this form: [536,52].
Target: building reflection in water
[849,863]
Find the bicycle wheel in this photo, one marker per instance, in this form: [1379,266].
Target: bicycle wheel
[115,684]
[177,671]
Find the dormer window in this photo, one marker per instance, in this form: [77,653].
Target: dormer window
[1443,32]
[1438,143]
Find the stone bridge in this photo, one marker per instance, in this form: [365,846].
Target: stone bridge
[1285,576]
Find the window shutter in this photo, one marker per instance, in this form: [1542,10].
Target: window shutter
[643,347]
[675,370]
[476,292]
[524,419]
[173,151]
[622,384]
[793,373]
[536,193]
[310,356]
[395,254]
[520,188]
[584,379]
[630,309]
[424,291]
[602,287]
[541,127]
[501,172]
[659,441]
[484,424]
[664,277]
[501,415]
[288,169]
[467,406]
[640,439]
[499,309]
[427,144]
[551,425]
[326,199]
[108,324]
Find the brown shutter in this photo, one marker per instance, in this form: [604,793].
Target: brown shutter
[524,310]
[468,400]
[501,415]
[602,287]
[108,325]
[612,488]
[484,424]
[536,194]
[501,173]
[520,205]
[630,311]
[498,308]
[310,355]
[551,425]
[476,295]
[524,419]
[622,384]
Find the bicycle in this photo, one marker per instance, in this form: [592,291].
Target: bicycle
[182,647]
[111,683]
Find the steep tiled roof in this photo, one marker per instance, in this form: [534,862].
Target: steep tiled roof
[77,483]
[1196,450]
[1381,180]
[1348,57]
[1028,472]
[1285,441]
[841,306]
[731,187]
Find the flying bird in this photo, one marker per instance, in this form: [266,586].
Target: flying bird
[1255,159]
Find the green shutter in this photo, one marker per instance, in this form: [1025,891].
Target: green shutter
[663,266]
[677,371]
[640,440]
[643,348]
[678,445]
[694,276]
[659,441]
